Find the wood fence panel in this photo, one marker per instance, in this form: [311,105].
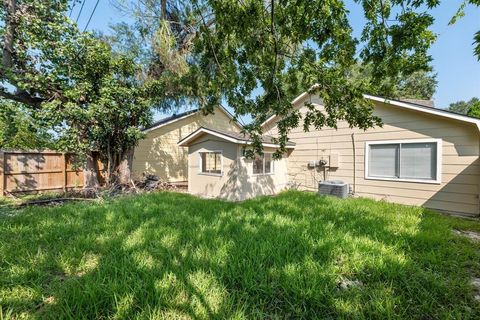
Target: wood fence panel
[27,171]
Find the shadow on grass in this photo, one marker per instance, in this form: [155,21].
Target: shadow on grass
[171,255]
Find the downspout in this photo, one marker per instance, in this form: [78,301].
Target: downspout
[354,164]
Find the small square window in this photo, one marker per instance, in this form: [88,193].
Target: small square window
[263,164]
[211,162]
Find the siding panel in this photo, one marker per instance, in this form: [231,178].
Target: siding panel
[459,187]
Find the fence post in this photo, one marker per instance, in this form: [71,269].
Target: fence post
[2,173]
[64,166]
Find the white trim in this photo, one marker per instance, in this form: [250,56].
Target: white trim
[200,172]
[438,178]
[272,171]
[184,142]
[429,110]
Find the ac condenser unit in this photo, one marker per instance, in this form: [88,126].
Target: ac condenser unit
[335,188]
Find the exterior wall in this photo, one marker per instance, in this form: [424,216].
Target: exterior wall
[159,154]
[237,181]
[458,191]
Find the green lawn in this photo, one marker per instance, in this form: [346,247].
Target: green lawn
[169,255]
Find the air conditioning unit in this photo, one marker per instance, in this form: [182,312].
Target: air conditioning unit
[335,188]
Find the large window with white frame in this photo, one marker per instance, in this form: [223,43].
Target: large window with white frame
[263,164]
[404,160]
[211,162]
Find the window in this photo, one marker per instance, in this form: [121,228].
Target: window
[211,162]
[413,160]
[263,164]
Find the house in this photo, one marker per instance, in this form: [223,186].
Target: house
[218,168]
[159,154]
[421,156]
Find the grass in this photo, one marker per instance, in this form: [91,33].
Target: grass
[169,255]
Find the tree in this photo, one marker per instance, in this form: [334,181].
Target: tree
[474,110]
[258,55]
[463,107]
[20,130]
[418,85]
[104,106]
[74,81]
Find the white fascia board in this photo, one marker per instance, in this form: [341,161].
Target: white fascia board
[199,131]
[184,142]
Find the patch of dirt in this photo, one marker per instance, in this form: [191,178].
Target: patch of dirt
[469,234]
[349,284]
[47,301]
[476,284]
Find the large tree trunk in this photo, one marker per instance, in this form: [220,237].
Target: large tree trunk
[90,174]
[125,167]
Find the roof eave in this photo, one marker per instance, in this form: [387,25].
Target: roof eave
[185,142]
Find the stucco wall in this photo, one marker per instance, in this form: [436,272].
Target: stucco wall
[458,191]
[159,154]
[237,181]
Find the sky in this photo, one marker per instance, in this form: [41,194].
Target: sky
[458,70]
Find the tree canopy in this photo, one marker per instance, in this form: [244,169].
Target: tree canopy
[463,107]
[75,82]
[19,129]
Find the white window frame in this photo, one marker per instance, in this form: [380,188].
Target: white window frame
[200,164]
[438,178]
[272,171]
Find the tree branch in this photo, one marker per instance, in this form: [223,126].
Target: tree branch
[10,25]
[22,97]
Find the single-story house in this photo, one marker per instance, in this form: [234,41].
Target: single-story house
[421,156]
[159,154]
[218,168]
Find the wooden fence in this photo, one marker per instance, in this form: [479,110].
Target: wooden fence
[28,171]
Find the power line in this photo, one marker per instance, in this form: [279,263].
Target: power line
[81,8]
[71,9]
[91,15]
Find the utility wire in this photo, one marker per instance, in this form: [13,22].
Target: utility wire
[71,9]
[91,15]
[79,13]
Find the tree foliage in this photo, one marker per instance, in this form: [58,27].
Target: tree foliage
[19,129]
[474,110]
[258,55]
[73,81]
[462,107]
[418,85]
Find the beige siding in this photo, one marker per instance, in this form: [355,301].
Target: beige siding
[159,154]
[237,181]
[459,187]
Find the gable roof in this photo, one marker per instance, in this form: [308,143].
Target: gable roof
[234,137]
[183,115]
[403,104]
